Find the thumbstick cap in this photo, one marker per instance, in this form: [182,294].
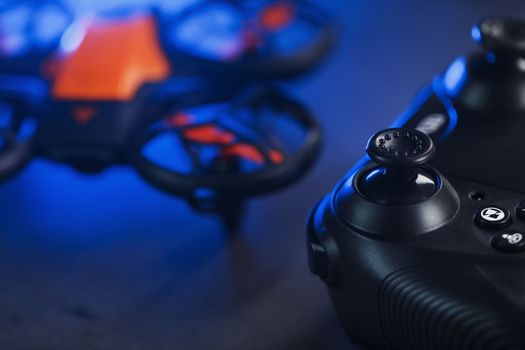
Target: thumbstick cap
[501,34]
[400,148]
[397,197]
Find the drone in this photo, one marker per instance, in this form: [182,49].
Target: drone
[188,99]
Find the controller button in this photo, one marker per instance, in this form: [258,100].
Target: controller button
[520,210]
[493,217]
[509,242]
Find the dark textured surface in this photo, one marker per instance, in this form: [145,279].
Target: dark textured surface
[107,262]
[422,309]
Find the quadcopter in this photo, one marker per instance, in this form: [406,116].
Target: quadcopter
[185,98]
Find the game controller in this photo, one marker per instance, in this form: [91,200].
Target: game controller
[118,89]
[422,244]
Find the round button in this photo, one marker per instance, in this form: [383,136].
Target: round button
[493,217]
[509,242]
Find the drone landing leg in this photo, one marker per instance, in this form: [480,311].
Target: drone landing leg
[229,209]
[231,212]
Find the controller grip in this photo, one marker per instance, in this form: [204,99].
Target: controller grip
[454,306]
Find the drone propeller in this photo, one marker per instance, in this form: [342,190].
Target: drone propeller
[16,130]
[247,39]
[217,154]
[32,29]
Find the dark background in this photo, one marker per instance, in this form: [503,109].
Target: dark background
[108,262]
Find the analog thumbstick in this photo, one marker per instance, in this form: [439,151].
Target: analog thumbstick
[400,151]
[500,34]
[491,82]
[396,195]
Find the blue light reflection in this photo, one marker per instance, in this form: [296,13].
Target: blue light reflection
[455,76]
[475,33]
[73,36]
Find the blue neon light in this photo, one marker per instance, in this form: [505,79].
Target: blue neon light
[476,34]
[455,76]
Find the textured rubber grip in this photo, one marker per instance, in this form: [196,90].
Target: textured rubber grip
[456,306]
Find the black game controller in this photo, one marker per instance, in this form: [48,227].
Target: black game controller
[428,252]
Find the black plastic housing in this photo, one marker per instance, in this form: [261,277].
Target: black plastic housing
[446,289]
[425,275]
